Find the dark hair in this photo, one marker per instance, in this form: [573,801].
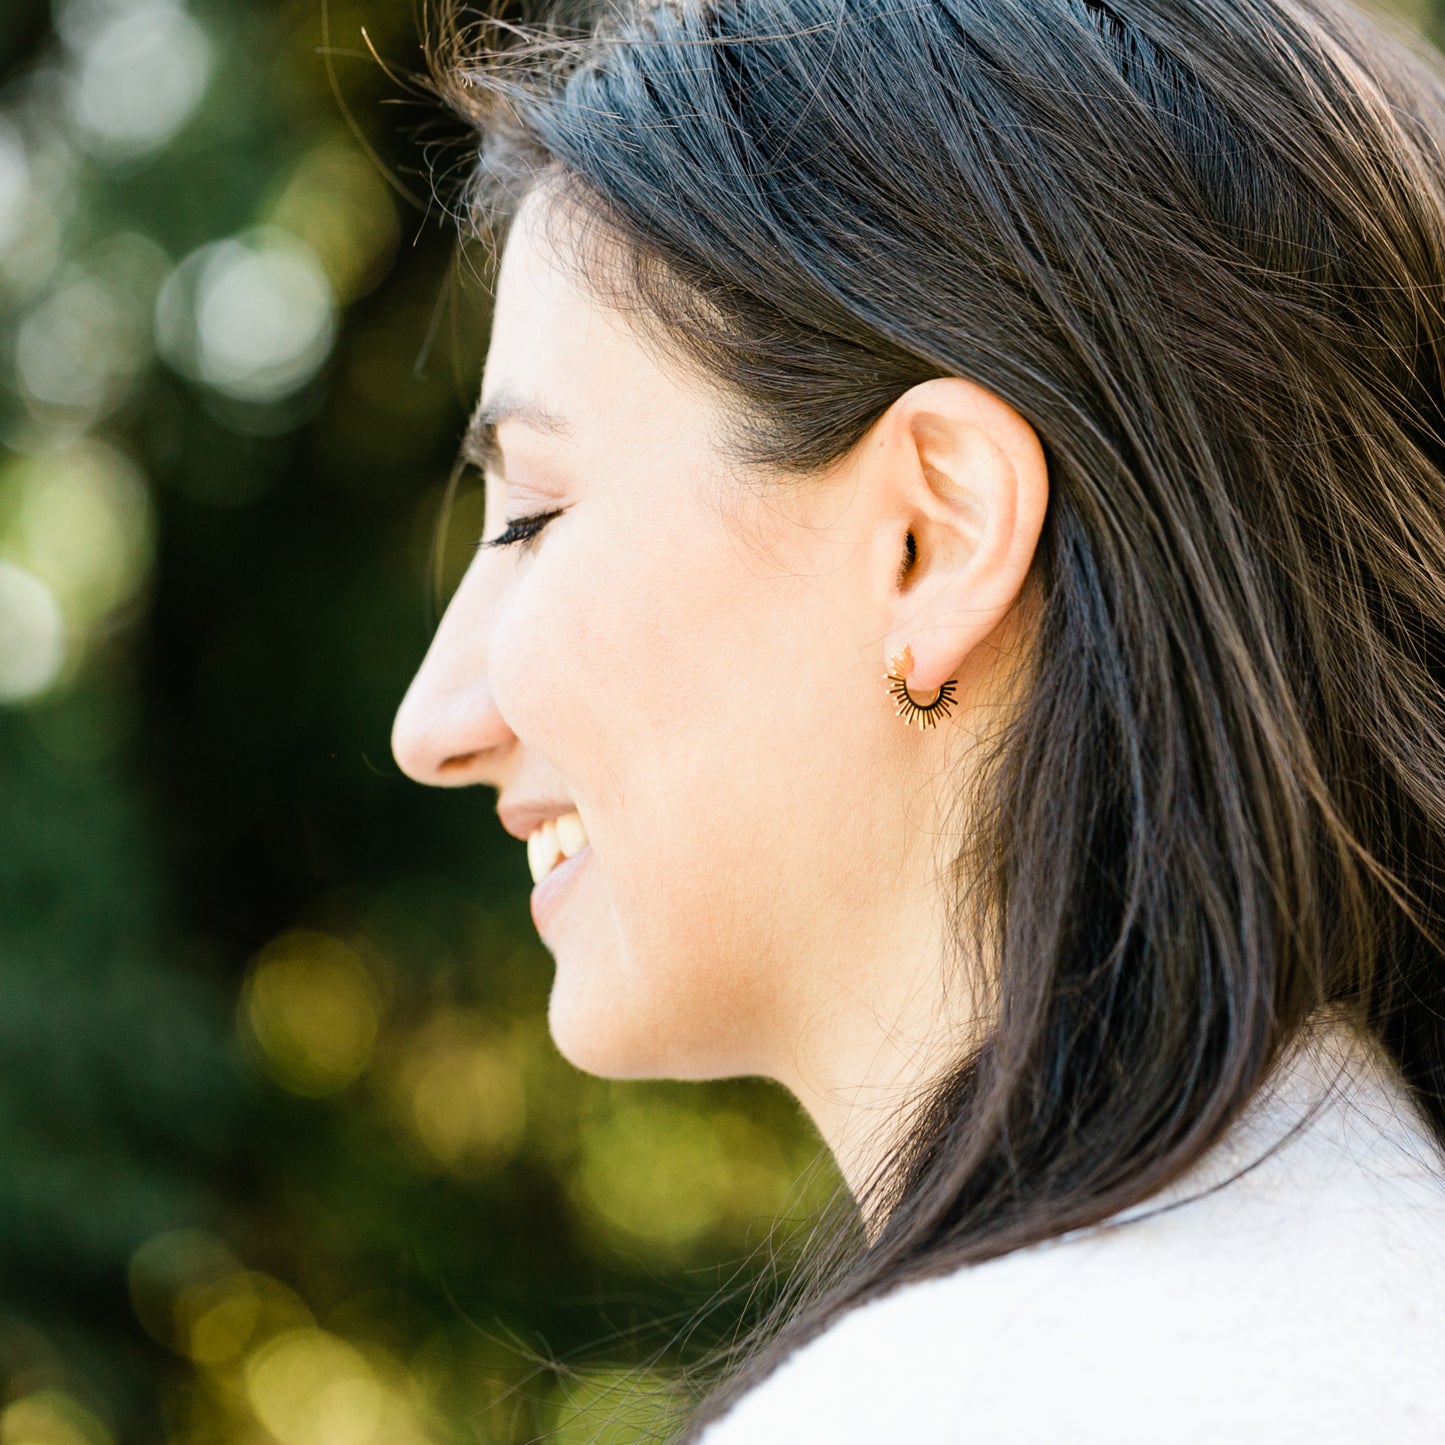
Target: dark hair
[1200,246]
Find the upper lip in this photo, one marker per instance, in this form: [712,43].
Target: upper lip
[521,820]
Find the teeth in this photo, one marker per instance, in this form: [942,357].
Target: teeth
[571,835]
[542,850]
[553,841]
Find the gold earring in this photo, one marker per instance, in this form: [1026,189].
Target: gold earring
[925,712]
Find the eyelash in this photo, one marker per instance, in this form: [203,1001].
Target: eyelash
[522,530]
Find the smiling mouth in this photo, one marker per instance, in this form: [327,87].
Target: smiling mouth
[553,841]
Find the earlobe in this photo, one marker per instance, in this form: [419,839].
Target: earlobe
[967,491]
[927,711]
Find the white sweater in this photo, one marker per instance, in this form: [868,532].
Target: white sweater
[1302,1303]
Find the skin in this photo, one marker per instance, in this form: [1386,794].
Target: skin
[700,668]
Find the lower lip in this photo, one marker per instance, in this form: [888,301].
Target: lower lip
[549,892]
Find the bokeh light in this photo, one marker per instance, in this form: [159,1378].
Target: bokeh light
[80,519]
[458,1088]
[35,195]
[314,1009]
[78,348]
[654,1171]
[310,1388]
[14,182]
[218,1318]
[335,203]
[610,1407]
[252,317]
[138,70]
[32,635]
[50,1417]
[168,1266]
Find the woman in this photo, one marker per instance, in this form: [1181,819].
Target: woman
[961,629]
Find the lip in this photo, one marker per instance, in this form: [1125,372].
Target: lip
[521,820]
[547,895]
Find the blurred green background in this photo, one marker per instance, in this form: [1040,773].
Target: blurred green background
[288,1156]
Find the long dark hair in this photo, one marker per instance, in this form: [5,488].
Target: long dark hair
[1200,246]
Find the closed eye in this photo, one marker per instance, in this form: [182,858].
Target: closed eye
[522,530]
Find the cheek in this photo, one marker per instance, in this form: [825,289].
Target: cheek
[687,703]
[539,660]
[606,655]
[654,979]
[698,717]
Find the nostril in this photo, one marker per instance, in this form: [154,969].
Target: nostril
[457,761]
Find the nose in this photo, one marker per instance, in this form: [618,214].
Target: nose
[448,732]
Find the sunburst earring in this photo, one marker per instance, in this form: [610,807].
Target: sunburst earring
[924,711]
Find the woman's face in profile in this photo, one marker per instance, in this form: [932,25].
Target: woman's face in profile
[694,667]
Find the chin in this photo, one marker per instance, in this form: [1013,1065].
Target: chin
[620,1008]
[592,1015]
[612,1038]
[596,1037]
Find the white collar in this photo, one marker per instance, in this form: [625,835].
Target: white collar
[1334,1102]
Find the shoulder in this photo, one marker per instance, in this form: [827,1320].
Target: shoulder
[1303,1301]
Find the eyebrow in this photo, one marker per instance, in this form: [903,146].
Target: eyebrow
[480,446]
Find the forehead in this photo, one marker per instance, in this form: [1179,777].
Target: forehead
[541,307]
[563,366]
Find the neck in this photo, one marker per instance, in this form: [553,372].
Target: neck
[1330,1065]
[869,1056]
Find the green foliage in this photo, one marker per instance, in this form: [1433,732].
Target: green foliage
[289,1154]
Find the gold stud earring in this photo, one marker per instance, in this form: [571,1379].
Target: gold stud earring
[924,711]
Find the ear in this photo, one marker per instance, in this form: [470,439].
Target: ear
[962,487]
